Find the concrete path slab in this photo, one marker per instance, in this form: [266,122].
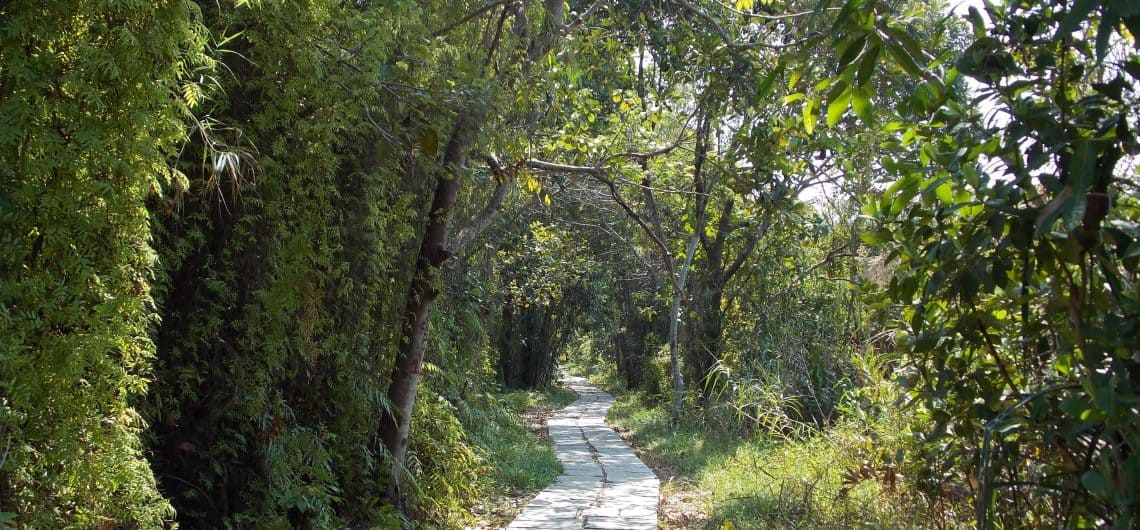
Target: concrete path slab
[604,484]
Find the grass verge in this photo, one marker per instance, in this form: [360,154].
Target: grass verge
[725,480]
[509,430]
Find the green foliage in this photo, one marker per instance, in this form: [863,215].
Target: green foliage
[1014,242]
[816,481]
[517,459]
[210,215]
[93,96]
[445,468]
[282,281]
[797,322]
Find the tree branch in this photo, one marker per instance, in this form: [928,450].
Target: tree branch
[582,18]
[749,245]
[443,31]
[490,213]
[728,41]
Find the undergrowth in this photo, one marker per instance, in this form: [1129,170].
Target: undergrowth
[509,432]
[817,479]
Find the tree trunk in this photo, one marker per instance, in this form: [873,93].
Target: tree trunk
[675,320]
[702,349]
[396,424]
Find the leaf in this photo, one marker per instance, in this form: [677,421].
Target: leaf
[795,78]
[837,102]
[1075,16]
[851,52]
[1132,66]
[867,65]
[1133,24]
[861,104]
[429,141]
[1104,33]
[1082,166]
[811,114]
[874,238]
[945,193]
[1053,210]
[903,59]
[768,82]
[907,41]
[1095,482]
[977,22]
[744,5]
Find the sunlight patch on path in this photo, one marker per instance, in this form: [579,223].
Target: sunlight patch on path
[603,485]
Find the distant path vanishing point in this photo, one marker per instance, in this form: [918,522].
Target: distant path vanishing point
[603,485]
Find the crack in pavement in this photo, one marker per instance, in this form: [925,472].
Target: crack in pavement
[604,485]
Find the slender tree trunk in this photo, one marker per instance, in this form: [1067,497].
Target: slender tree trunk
[675,320]
[396,424]
[702,350]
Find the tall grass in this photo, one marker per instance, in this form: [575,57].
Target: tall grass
[846,475]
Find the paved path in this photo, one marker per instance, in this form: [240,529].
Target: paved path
[603,485]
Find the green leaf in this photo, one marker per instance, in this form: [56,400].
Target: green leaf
[977,23]
[429,141]
[1075,16]
[878,236]
[852,51]
[811,114]
[837,103]
[867,65]
[769,81]
[1132,66]
[1133,24]
[904,59]
[906,40]
[795,78]
[861,104]
[1082,166]
[945,193]
[1095,482]
[1061,203]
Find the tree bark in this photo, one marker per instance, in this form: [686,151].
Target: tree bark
[396,423]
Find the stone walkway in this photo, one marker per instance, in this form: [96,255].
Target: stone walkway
[603,485]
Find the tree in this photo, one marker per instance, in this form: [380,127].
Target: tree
[1014,238]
